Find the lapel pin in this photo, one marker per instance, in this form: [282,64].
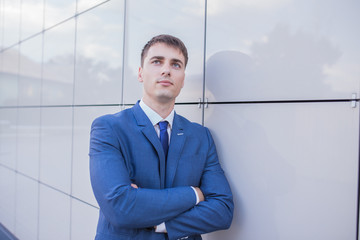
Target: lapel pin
[180,134]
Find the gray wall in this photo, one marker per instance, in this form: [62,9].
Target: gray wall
[275,79]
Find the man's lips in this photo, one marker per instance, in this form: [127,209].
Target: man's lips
[165,82]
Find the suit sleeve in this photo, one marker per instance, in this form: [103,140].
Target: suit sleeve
[122,205]
[216,212]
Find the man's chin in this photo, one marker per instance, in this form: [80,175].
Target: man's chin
[165,98]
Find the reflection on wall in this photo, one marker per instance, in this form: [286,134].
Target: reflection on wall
[281,62]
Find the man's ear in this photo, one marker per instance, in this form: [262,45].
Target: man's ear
[140,75]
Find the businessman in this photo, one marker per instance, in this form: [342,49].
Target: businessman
[156,175]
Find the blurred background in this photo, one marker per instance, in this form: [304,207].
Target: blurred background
[276,81]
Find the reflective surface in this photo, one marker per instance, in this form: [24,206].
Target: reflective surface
[56,147]
[7,198]
[29,81]
[28,141]
[83,117]
[32,17]
[191,112]
[285,49]
[53,221]
[82,213]
[58,11]
[283,171]
[58,66]
[26,208]
[9,77]
[8,129]
[98,69]
[83,5]
[10,22]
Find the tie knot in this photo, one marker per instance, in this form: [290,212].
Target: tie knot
[163,125]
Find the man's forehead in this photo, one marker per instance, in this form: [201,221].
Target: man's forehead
[165,51]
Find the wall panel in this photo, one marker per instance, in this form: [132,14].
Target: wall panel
[30,72]
[54,222]
[7,198]
[290,166]
[28,142]
[82,213]
[8,135]
[58,65]
[98,78]
[58,11]
[27,203]
[83,117]
[56,147]
[290,49]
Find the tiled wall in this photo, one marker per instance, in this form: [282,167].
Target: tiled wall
[278,82]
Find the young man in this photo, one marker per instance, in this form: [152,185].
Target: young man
[154,174]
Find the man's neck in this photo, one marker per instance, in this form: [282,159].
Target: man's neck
[163,109]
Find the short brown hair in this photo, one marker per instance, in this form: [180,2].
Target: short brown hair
[168,40]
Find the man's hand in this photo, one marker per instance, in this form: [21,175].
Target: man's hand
[200,194]
[134,185]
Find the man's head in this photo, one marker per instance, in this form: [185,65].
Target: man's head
[169,40]
[162,70]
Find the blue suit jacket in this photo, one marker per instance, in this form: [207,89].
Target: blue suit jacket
[125,149]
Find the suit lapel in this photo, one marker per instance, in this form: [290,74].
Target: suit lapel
[177,141]
[148,130]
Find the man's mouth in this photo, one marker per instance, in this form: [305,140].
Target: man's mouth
[165,82]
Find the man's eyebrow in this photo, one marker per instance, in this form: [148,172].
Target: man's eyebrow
[177,61]
[157,57]
[162,58]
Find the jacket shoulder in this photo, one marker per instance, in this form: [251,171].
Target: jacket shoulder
[114,118]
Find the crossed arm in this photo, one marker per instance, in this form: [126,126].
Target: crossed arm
[126,206]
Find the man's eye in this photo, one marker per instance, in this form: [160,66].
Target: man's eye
[177,65]
[156,62]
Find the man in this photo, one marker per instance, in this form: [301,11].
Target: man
[154,174]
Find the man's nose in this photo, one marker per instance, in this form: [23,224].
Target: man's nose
[165,71]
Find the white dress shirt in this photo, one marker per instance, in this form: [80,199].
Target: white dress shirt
[155,118]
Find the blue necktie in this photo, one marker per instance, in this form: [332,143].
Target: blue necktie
[164,137]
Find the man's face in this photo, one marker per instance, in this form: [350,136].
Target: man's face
[162,73]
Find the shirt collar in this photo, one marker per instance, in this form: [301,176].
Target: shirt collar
[154,116]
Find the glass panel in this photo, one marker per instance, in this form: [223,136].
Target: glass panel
[11,22]
[28,141]
[7,198]
[83,118]
[183,19]
[282,49]
[55,147]
[54,215]
[27,202]
[2,23]
[99,54]
[83,5]
[57,11]
[32,17]
[8,129]
[30,72]
[291,167]
[191,112]
[9,74]
[84,220]
[58,75]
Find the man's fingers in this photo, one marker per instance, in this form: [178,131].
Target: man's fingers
[134,185]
